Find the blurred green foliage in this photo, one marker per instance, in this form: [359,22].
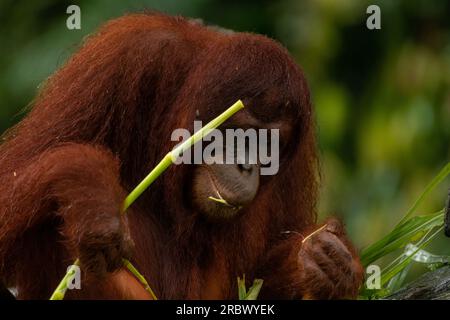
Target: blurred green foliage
[382,97]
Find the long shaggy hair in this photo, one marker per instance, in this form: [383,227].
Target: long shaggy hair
[104,120]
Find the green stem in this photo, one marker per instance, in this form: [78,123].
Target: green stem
[170,158]
[139,276]
[203,132]
[175,153]
[148,180]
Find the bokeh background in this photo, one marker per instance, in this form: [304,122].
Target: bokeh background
[382,97]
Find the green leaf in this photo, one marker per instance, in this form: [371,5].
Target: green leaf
[401,235]
[241,288]
[397,281]
[407,228]
[389,273]
[430,187]
[252,293]
[254,290]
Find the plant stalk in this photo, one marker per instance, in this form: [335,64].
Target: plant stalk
[162,166]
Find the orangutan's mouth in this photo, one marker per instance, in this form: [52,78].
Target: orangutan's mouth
[218,198]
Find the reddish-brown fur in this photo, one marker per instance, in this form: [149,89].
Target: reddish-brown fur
[104,120]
